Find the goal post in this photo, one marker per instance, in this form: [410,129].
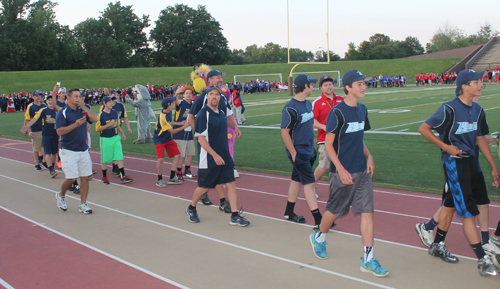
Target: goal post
[262,77]
[334,74]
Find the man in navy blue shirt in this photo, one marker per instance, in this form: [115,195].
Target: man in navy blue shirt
[71,126]
[351,171]
[215,165]
[297,119]
[35,131]
[461,124]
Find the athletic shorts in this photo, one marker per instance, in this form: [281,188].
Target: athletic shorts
[462,178]
[324,159]
[75,164]
[36,141]
[302,168]
[211,177]
[186,147]
[359,195]
[50,144]
[111,149]
[170,147]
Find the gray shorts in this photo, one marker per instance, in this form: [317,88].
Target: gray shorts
[359,195]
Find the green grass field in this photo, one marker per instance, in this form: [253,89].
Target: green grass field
[403,159]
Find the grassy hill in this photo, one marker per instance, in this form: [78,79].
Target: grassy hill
[44,80]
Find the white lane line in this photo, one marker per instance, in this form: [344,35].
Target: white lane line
[420,121]
[5,284]
[186,232]
[92,247]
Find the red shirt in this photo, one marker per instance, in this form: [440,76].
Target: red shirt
[321,107]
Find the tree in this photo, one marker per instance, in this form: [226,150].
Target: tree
[379,39]
[184,36]
[352,53]
[446,38]
[321,56]
[412,46]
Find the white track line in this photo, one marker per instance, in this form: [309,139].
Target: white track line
[92,247]
[5,284]
[186,232]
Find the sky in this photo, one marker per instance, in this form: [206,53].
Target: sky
[259,22]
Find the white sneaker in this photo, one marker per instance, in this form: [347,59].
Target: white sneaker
[491,249]
[61,202]
[174,181]
[85,209]
[160,183]
[495,239]
[426,236]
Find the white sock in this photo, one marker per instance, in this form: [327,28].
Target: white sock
[320,237]
[368,253]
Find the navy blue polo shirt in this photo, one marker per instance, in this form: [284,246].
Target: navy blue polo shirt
[103,118]
[181,114]
[348,123]
[298,116]
[201,101]
[213,126]
[48,117]
[30,113]
[75,140]
[459,124]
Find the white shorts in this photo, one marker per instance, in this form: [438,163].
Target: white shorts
[76,164]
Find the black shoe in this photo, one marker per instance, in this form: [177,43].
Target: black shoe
[76,190]
[115,170]
[38,168]
[225,207]
[192,215]
[205,200]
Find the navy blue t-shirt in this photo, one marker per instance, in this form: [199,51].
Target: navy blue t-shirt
[161,134]
[75,140]
[181,114]
[103,118]
[213,126]
[31,110]
[459,124]
[48,118]
[298,116]
[348,123]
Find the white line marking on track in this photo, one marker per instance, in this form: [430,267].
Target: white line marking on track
[5,284]
[92,247]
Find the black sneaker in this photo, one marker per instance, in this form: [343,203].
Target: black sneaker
[192,215]
[238,220]
[38,168]
[439,250]
[205,200]
[43,165]
[115,170]
[225,207]
[75,189]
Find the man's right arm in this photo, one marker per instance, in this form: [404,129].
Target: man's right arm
[67,129]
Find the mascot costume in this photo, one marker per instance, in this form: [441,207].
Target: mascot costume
[200,82]
[144,112]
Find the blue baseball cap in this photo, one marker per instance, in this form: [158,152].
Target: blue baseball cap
[303,79]
[167,101]
[37,92]
[214,87]
[112,91]
[351,76]
[108,98]
[467,75]
[215,72]
[325,77]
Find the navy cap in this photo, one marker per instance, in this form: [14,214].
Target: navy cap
[325,77]
[214,87]
[166,101]
[352,76]
[112,91]
[467,75]
[108,98]
[303,79]
[48,96]
[37,92]
[215,72]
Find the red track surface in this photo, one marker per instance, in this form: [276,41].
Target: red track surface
[396,211]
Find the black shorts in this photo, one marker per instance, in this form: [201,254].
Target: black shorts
[211,177]
[466,187]
[302,168]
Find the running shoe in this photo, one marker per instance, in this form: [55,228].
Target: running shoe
[61,202]
[115,170]
[238,220]
[225,207]
[105,181]
[44,165]
[205,200]
[486,267]
[174,181]
[319,249]
[373,267]
[53,174]
[160,183]
[85,209]
[125,180]
[38,168]
[192,215]
[179,176]
[491,249]
[495,239]
[439,250]
[189,175]
[76,189]
[426,236]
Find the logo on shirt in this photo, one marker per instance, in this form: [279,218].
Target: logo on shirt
[307,116]
[465,127]
[355,126]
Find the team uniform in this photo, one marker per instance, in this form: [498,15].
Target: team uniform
[213,126]
[201,100]
[50,139]
[348,124]
[321,108]
[299,118]
[184,138]
[36,128]
[110,141]
[163,139]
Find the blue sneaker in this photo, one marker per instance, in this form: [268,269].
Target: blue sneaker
[319,249]
[373,267]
